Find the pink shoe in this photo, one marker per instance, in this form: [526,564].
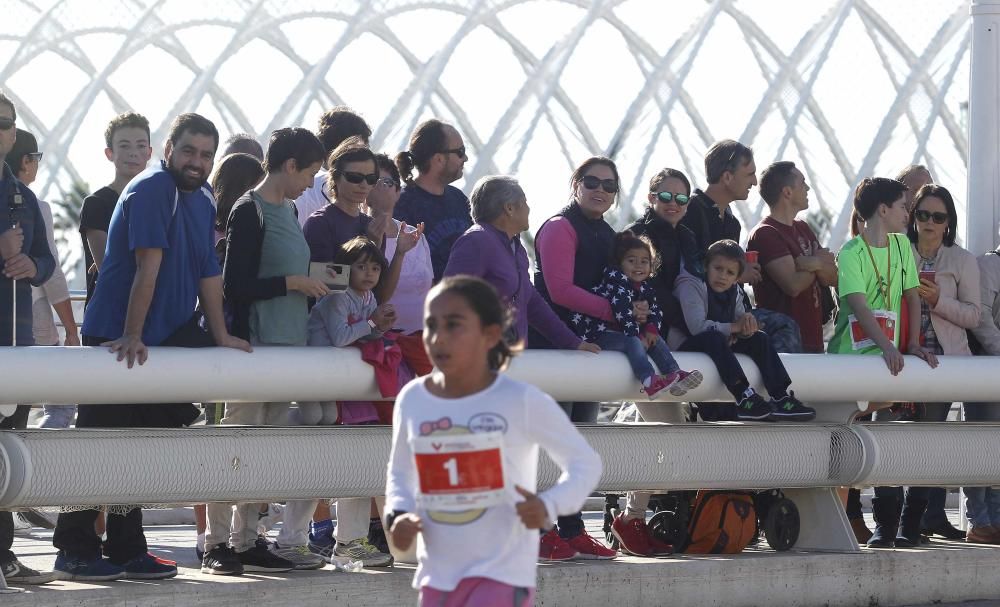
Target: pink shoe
[682,381]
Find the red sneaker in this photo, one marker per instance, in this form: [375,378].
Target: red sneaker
[632,535]
[590,549]
[554,548]
[660,548]
[657,384]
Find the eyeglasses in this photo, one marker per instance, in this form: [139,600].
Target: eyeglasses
[387,182]
[592,183]
[7,124]
[925,216]
[352,177]
[460,152]
[680,199]
[34,156]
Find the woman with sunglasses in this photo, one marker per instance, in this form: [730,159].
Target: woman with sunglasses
[949,305]
[353,174]
[571,250]
[669,193]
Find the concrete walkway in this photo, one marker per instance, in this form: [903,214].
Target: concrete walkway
[942,573]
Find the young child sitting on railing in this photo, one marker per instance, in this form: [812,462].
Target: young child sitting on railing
[625,283]
[715,318]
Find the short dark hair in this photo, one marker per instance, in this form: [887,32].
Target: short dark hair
[196,124]
[125,121]
[725,155]
[352,149]
[5,100]
[581,171]
[667,173]
[727,249]
[428,138]
[24,144]
[626,241]
[360,248]
[386,164]
[875,191]
[234,175]
[485,302]
[296,144]
[774,179]
[243,143]
[941,192]
[339,123]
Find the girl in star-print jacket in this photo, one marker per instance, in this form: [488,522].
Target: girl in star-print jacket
[635,333]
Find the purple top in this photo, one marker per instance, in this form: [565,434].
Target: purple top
[490,254]
[329,228]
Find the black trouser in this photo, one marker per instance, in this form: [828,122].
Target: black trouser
[758,347]
[74,534]
[18,421]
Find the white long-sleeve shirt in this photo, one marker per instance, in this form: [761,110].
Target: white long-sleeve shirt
[53,291]
[415,279]
[491,542]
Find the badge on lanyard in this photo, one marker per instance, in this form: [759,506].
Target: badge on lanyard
[460,472]
[886,320]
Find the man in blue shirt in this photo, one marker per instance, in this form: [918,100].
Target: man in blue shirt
[437,151]
[160,261]
[27,261]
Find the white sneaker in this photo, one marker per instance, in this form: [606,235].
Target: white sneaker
[22,526]
[266,521]
[300,556]
[361,550]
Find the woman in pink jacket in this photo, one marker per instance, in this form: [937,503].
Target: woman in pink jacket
[949,305]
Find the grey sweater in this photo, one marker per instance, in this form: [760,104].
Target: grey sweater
[692,292]
[341,318]
[988,331]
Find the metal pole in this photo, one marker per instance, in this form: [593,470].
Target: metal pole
[983,214]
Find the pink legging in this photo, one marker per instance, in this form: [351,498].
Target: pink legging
[478,592]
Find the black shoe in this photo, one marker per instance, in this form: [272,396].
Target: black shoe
[259,558]
[376,535]
[947,531]
[789,408]
[222,560]
[753,408]
[884,537]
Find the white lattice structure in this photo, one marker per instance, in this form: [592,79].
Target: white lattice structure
[847,88]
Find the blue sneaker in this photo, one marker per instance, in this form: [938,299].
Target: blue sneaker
[146,567]
[86,570]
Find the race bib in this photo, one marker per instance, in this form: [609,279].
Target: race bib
[460,472]
[886,321]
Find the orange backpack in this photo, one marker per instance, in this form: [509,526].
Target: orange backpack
[722,522]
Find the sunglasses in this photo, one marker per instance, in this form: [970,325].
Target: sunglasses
[352,177]
[34,156]
[925,216]
[7,124]
[387,182]
[460,152]
[592,183]
[680,199]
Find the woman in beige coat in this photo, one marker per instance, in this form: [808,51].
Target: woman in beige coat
[949,305]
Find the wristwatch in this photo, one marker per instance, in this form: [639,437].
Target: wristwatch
[371,323]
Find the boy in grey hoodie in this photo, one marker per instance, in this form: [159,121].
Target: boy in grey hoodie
[718,326]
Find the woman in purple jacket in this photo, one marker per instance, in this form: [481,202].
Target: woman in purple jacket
[491,249]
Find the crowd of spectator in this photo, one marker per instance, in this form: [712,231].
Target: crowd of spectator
[191,252]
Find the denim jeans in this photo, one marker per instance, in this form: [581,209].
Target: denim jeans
[636,353]
[982,504]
